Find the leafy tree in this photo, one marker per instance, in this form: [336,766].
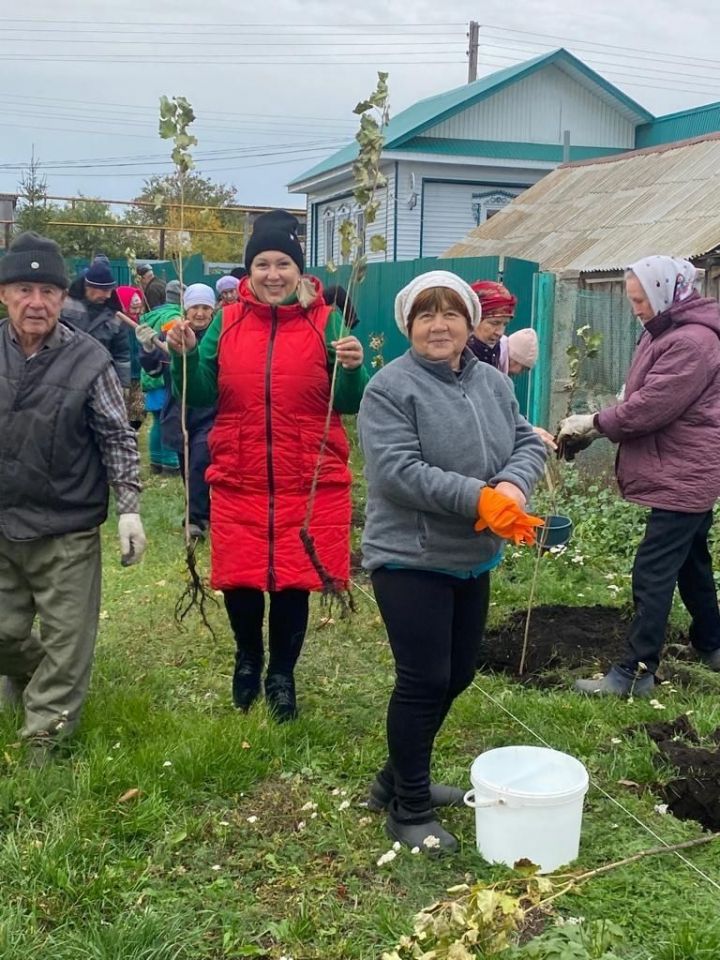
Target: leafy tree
[201,195]
[86,241]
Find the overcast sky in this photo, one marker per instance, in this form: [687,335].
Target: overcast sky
[273,84]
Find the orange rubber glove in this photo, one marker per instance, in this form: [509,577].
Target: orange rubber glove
[502,516]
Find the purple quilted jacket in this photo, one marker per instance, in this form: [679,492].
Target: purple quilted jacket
[668,425]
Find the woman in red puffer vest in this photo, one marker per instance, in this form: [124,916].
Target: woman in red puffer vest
[267,361]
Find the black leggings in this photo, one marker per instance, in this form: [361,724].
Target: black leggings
[435,623]
[288,622]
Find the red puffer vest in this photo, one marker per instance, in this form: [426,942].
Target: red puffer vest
[274,390]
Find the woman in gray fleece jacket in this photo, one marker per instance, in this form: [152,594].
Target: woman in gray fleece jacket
[447,454]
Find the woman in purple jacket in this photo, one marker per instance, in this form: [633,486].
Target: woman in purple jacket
[668,431]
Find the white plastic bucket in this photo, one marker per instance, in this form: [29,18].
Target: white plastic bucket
[528,804]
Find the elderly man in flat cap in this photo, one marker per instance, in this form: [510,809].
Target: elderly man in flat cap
[64,441]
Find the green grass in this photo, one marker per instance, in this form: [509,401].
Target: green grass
[184,870]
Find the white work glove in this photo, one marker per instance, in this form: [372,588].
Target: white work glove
[580,426]
[132,538]
[145,335]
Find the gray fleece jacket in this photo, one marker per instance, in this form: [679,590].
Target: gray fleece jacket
[432,439]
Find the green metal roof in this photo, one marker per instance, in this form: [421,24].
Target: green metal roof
[505,149]
[433,110]
[682,125]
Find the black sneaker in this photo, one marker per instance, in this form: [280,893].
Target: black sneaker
[280,696]
[246,683]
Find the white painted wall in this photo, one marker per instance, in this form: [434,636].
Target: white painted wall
[339,202]
[538,109]
[446,211]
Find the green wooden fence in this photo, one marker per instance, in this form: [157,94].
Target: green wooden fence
[374,298]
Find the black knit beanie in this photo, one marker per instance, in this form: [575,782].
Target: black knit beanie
[275,230]
[33,259]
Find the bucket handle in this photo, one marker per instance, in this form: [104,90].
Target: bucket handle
[470,801]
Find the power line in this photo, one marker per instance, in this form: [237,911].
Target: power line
[578,41]
[596,57]
[192,25]
[135,108]
[250,40]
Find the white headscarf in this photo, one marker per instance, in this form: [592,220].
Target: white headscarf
[665,280]
[426,281]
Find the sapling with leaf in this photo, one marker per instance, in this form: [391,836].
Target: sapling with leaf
[368,178]
[176,115]
[587,347]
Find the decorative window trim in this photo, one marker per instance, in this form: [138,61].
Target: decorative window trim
[329,234]
[487,203]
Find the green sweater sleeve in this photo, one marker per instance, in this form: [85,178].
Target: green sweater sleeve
[202,368]
[349,384]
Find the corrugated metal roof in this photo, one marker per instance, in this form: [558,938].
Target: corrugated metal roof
[604,214]
[679,126]
[433,110]
[503,149]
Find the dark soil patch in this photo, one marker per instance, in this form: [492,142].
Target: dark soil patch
[560,638]
[695,794]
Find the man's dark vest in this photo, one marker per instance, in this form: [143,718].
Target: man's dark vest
[52,479]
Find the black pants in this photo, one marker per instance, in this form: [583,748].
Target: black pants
[199,491]
[288,622]
[435,624]
[673,551]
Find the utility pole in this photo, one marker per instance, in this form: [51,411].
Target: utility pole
[473,43]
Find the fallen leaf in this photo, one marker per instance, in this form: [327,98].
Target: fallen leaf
[132,794]
[630,784]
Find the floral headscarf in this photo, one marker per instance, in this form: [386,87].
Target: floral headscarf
[665,280]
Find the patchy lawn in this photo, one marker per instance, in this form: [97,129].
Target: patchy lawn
[179,829]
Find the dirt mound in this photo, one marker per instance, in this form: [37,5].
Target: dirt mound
[560,638]
[695,794]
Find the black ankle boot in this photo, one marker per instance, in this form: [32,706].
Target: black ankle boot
[280,696]
[246,682]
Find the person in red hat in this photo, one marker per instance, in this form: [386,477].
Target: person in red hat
[488,341]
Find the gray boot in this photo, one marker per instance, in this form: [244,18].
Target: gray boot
[711,658]
[430,838]
[441,795]
[619,683]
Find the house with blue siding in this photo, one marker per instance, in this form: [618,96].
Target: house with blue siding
[454,160]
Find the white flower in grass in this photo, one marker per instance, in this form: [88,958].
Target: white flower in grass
[224,823]
[431,842]
[661,808]
[308,806]
[252,819]
[415,850]
[301,825]
[364,821]
[168,763]
[656,705]
[397,846]
[313,816]
[216,867]
[335,792]
[615,740]
[386,858]
[344,805]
